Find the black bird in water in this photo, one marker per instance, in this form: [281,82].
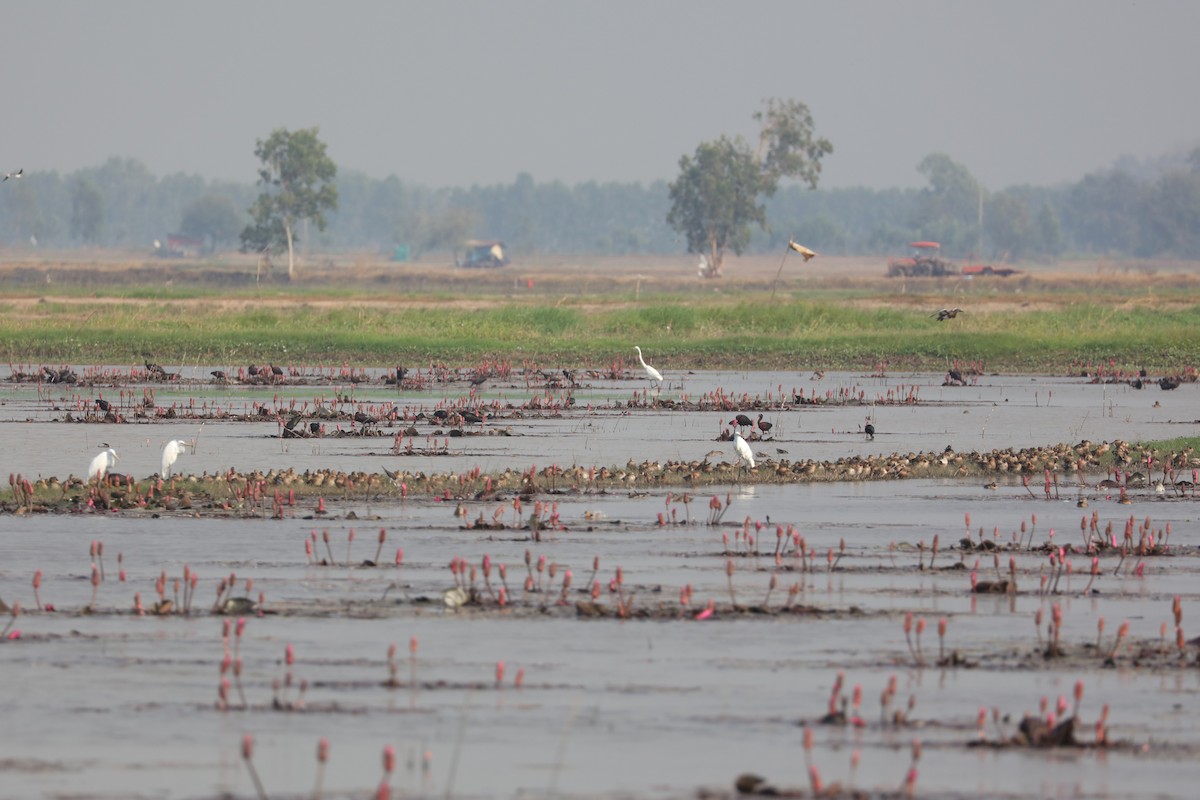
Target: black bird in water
[946,313]
[741,421]
[471,418]
[765,427]
[869,430]
[102,404]
[219,375]
[252,370]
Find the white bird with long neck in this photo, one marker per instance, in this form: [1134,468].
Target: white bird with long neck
[102,463]
[171,452]
[743,450]
[651,372]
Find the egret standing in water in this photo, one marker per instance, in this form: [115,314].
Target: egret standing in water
[743,450]
[102,463]
[651,372]
[171,452]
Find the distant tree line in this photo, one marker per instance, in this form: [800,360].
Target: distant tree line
[1119,212]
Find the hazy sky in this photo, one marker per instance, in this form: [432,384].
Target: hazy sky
[457,93]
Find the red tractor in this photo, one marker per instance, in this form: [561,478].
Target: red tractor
[925,260]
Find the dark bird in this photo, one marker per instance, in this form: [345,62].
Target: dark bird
[314,428]
[1168,383]
[252,370]
[946,313]
[16,174]
[154,369]
[102,404]
[293,422]
[954,378]
[219,375]
[765,427]
[471,418]
[1136,383]
[277,371]
[478,380]
[869,430]
[741,421]
[363,418]
[441,414]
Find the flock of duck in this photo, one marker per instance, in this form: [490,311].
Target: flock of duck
[1110,465]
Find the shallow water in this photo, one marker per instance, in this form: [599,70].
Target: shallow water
[111,704]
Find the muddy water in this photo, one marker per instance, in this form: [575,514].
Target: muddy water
[111,704]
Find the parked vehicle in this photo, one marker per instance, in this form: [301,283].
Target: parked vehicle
[483,254]
[926,261]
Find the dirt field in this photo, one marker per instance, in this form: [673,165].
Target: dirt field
[554,278]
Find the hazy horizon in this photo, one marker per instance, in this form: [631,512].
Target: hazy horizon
[456,94]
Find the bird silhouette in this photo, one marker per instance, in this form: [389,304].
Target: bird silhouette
[869,430]
[765,427]
[741,421]
[16,174]
[946,313]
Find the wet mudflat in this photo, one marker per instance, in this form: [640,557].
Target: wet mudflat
[673,679]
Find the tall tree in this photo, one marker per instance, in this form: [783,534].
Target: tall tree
[87,211]
[714,200]
[948,209]
[212,218]
[298,178]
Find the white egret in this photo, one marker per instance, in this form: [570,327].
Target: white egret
[651,372]
[102,463]
[743,450]
[171,452]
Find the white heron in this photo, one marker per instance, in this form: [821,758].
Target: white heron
[743,450]
[102,463]
[171,452]
[651,372]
